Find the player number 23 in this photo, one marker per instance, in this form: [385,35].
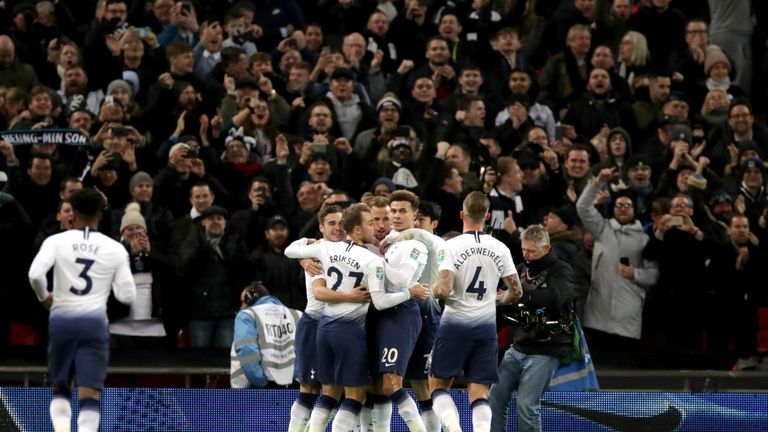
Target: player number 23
[87,263]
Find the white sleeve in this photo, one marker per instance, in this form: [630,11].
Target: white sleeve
[299,249]
[379,297]
[383,300]
[445,259]
[400,267]
[410,234]
[43,262]
[123,285]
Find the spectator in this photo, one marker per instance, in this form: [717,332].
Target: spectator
[140,325]
[565,236]
[646,111]
[620,276]
[731,27]
[680,248]
[598,108]
[664,28]
[14,73]
[633,56]
[522,82]
[565,74]
[215,267]
[276,269]
[735,271]
[257,359]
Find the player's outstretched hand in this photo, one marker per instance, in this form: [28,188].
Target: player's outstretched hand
[359,294]
[420,291]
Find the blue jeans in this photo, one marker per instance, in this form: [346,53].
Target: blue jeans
[530,376]
[211,333]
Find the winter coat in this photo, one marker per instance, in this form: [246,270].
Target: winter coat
[615,304]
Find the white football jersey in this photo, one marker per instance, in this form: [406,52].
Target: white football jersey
[314,306]
[86,265]
[478,261]
[346,266]
[406,261]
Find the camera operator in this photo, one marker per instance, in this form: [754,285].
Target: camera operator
[541,334]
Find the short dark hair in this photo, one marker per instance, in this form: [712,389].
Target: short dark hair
[738,102]
[353,216]
[254,291]
[87,203]
[200,183]
[325,211]
[70,179]
[177,48]
[231,55]
[405,195]
[466,101]
[430,209]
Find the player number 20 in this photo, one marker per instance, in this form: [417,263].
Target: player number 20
[390,355]
[477,286]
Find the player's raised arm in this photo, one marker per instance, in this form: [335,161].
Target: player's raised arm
[444,286]
[42,263]
[303,248]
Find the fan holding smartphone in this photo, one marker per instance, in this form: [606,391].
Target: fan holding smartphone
[613,311]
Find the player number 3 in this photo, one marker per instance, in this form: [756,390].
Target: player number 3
[87,263]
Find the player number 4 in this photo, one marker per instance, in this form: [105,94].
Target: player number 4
[477,286]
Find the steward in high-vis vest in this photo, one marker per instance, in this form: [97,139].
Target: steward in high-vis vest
[263,345]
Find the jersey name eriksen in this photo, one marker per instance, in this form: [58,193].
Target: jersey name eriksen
[346,260]
[86,247]
[467,253]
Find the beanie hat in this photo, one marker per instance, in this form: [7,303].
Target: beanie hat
[139,177]
[132,216]
[119,84]
[567,214]
[714,56]
[389,99]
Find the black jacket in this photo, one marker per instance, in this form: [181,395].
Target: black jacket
[547,283]
[212,283]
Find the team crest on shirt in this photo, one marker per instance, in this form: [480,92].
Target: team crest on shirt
[441,255]
[415,254]
[380,273]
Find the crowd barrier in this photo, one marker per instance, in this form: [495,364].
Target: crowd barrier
[171,410]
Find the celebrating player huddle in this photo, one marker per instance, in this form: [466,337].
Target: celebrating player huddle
[399,328]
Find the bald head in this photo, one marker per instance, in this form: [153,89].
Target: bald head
[7,51]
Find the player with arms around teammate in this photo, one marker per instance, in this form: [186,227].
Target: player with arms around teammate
[395,320]
[426,222]
[86,266]
[470,268]
[341,341]
[305,372]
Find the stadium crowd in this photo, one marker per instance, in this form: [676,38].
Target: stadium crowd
[216,131]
